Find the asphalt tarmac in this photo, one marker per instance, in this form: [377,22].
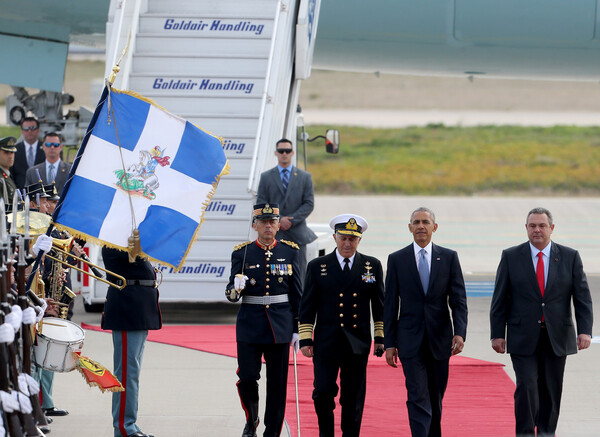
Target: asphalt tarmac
[189,393]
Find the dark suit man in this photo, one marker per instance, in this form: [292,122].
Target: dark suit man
[530,317]
[342,291]
[295,200]
[7,158]
[424,285]
[265,273]
[29,151]
[52,145]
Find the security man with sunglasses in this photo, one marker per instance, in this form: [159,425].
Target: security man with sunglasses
[292,189]
[53,169]
[29,151]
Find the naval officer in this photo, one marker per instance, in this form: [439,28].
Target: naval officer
[265,273]
[343,291]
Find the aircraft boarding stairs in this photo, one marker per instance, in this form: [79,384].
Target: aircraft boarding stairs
[228,67]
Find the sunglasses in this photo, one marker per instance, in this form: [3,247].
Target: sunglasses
[29,128]
[52,144]
[284,151]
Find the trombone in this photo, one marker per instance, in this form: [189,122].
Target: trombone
[60,245]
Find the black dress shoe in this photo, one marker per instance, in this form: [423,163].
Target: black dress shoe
[49,420]
[140,434]
[44,429]
[250,429]
[55,412]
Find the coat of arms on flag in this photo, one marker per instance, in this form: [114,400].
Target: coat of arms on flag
[141,167]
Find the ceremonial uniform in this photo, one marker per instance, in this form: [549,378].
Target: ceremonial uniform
[130,313]
[7,146]
[342,304]
[267,318]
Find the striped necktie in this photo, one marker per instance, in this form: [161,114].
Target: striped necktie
[51,174]
[423,270]
[285,178]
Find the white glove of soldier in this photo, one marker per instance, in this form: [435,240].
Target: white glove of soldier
[295,342]
[43,243]
[239,282]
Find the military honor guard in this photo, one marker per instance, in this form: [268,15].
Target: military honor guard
[7,159]
[343,292]
[264,274]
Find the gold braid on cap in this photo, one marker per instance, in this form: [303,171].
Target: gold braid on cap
[351,225]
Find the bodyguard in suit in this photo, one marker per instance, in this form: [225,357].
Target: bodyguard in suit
[425,320]
[129,313]
[292,189]
[53,169]
[29,151]
[265,273]
[343,292]
[531,319]
[7,158]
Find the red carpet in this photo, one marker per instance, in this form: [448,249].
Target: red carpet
[478,401]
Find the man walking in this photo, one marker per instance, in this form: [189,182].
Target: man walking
[531,319]
[342,294]
[425,319]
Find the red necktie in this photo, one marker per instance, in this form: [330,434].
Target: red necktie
[540,272]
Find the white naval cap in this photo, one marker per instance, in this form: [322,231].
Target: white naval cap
[349,224]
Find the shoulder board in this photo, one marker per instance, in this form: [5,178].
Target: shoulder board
[290,243]
[239,246]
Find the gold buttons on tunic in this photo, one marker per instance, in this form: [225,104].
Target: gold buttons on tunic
[342,325]
[354,326]
[341,305]
[266,286]
[355,316]
[267,293]
[267,306]
[268,279]
[341,315]
[355,295]
[354,305]
[341,294]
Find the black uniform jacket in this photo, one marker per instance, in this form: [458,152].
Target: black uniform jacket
[7,180]
[342,304]
[271,272]
[135,307]
[518,305]
[410,313]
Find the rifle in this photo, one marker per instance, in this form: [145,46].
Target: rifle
[11,420]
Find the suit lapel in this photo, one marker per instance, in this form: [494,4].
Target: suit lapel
[277,181]
[552,266]
[435,264]
[411,264]
[527,262]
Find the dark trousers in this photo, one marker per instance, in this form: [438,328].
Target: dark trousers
[426,382]
[352,369]
[249,363]
[539,389]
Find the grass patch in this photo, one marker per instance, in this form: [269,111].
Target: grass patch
[454,160]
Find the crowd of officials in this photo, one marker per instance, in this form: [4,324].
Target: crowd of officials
[336,307]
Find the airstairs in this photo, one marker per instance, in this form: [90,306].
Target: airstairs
[229,67]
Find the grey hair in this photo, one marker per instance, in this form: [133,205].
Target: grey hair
[423,209]
[540,210]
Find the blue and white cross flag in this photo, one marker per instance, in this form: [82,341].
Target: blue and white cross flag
[140,166]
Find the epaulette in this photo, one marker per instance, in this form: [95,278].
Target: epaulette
[290,243]
[239,246]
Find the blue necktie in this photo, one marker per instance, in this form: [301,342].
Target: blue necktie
[30,157]
[285,179]
[423,270]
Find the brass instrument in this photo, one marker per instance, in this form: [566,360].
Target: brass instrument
[61,245]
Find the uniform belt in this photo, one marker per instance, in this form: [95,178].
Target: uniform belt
[265,300]
[142,282]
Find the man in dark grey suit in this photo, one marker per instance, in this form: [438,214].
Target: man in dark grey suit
[53,169]
[292,189]
[423,285]
[531,318]
[29,151]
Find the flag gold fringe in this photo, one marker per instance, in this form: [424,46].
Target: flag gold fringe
[224,171]
[95,384]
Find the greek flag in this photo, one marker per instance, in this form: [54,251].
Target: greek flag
[139,165]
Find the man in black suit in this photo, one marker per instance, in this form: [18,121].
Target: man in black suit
[425,319]
[292,189]
[29,151]
[531,318]
[53,169]
[343,290]
[265,273]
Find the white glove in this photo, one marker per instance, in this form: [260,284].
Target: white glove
[28,316]
[43,243]
[295,342]
[7,333]
[15,317]
[239,282]
[9,403]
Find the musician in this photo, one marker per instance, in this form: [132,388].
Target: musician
[7,159]
[268,317]
[130,313]
[37,198]
[52,197]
